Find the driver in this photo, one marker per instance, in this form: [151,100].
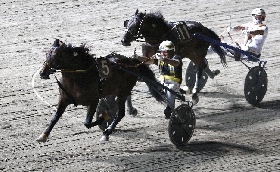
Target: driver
[170,68]
[255,34]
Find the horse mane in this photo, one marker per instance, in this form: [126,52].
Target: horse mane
[81,49]
[158,23]
[155,15]
[80,52]
[156,18]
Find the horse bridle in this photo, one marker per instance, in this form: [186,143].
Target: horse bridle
[138,35]
[47,64]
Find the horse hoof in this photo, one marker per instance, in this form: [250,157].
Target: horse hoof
[134,112]
[215,73]
[104,138]
[87,125]
[195,99]
[42,138]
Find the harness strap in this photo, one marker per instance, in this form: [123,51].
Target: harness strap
[67,93]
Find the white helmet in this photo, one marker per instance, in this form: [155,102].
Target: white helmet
[166,46]
[258,12]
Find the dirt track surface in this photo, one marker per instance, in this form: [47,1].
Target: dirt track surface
[230,134]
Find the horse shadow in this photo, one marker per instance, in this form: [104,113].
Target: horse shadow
[201,146]
[215,94]
[216,146]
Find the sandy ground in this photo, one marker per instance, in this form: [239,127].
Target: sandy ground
[230,135]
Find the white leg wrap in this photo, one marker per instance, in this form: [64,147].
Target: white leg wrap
[104,138]
[42,138]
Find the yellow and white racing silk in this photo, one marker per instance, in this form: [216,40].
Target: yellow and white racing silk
[171,77]
[169,72]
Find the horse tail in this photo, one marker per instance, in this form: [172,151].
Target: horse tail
[217,48]
[150,79]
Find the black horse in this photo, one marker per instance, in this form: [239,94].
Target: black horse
[154,28]
[86,79]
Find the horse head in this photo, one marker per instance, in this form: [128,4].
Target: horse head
[132,31]
[66,57]
[151,26]
[52,60]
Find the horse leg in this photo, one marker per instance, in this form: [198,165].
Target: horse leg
[195,98]
[90,112]
[210,73]
[114,123]
[60,110]
[132,111]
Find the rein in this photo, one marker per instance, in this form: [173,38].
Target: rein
[229,35]
[73,71]
[155,84]
[135,66]
[66,92]
[168,32]
[62,88]
[127,65]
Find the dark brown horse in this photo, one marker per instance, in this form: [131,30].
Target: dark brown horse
[86,79]
[154,28]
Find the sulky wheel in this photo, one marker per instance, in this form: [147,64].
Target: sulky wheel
[108,108]
[255,86]
[181,126]
[190,77]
